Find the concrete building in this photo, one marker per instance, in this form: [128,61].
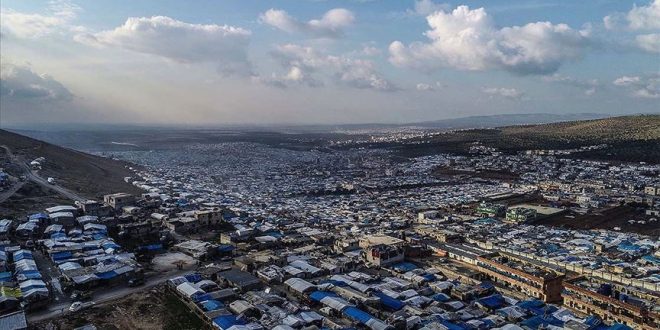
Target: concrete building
[382,250]
[613,303]
[522,275]
[520,214]
[119,200]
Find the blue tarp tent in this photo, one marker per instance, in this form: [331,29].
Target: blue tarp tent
[106,275]
[211,305]
[451,326]
[5,277]
[22,254]
[334,282]
[318,295]
[110,245]
[429,277]
[193,278]
[225,322]
[57,236]
[492,302]
[62,255]
[441,297]
[226,248]
[38,216]
[537,321]
[357,314]
[389,302]
[29,275]
[404,267]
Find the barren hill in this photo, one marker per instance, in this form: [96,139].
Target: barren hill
[629,138]
[88,175]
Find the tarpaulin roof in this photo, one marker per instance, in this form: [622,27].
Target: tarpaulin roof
[492,302]
[62,255]
[211,305]
[537,321]
[404,267]
[107,275]
[389,302]
[319,295]
[357,314]
[225,322]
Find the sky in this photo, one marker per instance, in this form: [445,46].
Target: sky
[323,62]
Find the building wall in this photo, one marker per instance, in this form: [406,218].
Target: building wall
[610,310]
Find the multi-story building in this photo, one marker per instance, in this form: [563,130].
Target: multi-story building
[523,275]
[119,200]
[490,209]
[612,302]
[652,190]
[382,250]
[520,214]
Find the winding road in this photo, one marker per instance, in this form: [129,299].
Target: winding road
[103,297]
[33,176]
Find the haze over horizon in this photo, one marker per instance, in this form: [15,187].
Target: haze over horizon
[323,62]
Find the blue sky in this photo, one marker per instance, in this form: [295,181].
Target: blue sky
[261,62]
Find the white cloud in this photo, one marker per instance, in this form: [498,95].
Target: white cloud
[429,87]
[641,86]
[426,7]
[20,83]
[626,80]
[649,42]
[509,93]
[179,41]
[638,18]
[467,39]
[589,86]
[303,62]
[330,25]
[645,17]
[58,16]
[370,51]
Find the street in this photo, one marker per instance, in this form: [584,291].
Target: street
[104,296]
[33,176]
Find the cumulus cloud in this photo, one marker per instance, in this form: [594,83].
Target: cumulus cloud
[645,17]
[638,18]
[58,16]
[20,84]
[626,80]
[426,7]
[649,42]
[179,41]
[330,25]
[429,87]
[468,39]
[509,93]
[589,86]
[302,63]
[647,87]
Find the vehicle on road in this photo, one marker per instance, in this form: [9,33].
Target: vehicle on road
[79,305]
[136,282]
[76,306]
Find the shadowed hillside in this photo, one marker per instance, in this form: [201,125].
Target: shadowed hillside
[630,138]
[89,175]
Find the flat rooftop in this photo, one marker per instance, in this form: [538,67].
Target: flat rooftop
[371,240]
[543,210]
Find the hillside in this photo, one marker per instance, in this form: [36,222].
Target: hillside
[630,138]
[88,175]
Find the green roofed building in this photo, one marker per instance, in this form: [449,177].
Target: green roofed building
[520,214]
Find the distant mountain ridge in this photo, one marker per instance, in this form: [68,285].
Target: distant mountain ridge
[629,138]
[506,120]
